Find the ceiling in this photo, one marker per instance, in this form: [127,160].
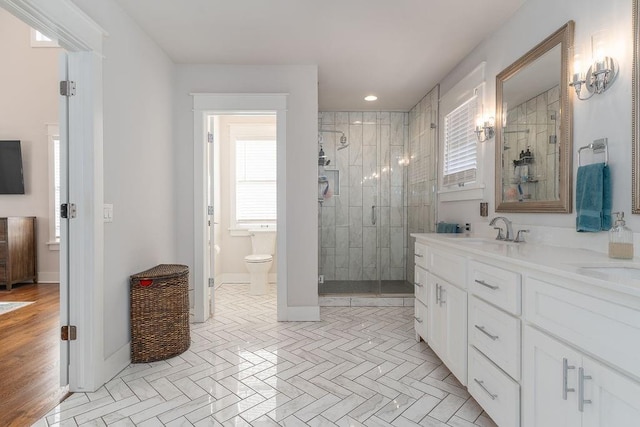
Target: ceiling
[395,49]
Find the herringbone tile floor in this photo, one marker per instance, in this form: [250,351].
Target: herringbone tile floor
[358,366]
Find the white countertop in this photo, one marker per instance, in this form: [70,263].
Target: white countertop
[577,264]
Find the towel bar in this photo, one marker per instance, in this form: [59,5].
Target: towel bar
[598,146]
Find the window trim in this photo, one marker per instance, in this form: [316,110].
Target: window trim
[255,131]
[42,43]
[53,133]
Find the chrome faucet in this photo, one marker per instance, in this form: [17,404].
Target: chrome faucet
[509,236]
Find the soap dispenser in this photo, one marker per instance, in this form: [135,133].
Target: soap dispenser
[620,239]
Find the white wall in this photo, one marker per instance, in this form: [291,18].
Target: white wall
[29,101]
[607,115]
[300,82]
[139,168]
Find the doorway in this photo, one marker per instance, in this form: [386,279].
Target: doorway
[206,106]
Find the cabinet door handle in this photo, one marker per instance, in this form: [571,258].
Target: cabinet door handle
[442,293]
[437,294]
[417,319]
[481,384]
[419,255]
[565,378]
[485,284]
[483,330]
[418,284]
[581,399]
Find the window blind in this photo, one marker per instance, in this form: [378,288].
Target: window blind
[460,144]
[255,181]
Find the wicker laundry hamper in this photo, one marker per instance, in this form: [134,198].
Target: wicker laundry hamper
[159,313]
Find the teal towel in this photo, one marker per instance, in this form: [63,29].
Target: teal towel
[446,227]
[593,198]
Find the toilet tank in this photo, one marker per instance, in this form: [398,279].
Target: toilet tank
[263,242]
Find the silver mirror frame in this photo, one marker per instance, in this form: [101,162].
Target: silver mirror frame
[635,126]
[564,38]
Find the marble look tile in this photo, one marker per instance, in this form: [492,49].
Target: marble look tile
[334,301]
[342,273]
[385,260]
[317,407]
[369,200]
[447,407]
[397,128]
[355,116]
[369,133]
[355,263]
[327,118]
[376,302]
[397,247]
[342,209]
[370,247]
[370,407]
[421,408]
[470,411]
[355,145]
[394,408]
[409,302]
[369,166]
[355,227]
[355,185]
[384,117]
[397,172]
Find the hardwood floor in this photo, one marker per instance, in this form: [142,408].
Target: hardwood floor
[30,355]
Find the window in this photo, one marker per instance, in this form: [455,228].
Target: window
[40,40]
[254,178]
[54,186]
[460,144]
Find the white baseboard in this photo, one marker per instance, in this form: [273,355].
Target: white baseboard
[48,277]
[116,362]
[240,278]
[303,314]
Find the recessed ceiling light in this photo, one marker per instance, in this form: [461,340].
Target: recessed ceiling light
[370,98]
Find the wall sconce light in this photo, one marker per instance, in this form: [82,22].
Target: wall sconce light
[485,130]
[602,71]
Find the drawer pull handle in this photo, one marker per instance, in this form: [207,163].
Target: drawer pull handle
[483,330]
[417,319]
[419,255]
[483,283]
[418,284]
[481,384]
[565,375]
[437,294]
[581,399]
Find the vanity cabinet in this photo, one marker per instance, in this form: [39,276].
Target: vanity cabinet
[447,329]
[567,388]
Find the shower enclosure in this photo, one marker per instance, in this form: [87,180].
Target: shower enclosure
[362,203]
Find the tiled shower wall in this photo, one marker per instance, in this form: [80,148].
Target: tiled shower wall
[533,124]
[372,172]
[422,171]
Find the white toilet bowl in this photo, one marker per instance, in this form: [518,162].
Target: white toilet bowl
[259,263]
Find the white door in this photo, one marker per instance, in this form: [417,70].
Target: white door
[63,114]
[550,386]
[455,302]
[211,253]
[614,398]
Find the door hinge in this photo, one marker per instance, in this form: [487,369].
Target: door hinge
[68,333]
[210,137]
[211,282]
[209,210]
[68,210]
[67,88]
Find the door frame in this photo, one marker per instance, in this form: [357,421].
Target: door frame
[82,38]
[205,104]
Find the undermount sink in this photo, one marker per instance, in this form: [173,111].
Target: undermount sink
[631,271]
[479,240]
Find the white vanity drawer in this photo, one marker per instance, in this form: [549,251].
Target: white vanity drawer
[605,329]
[496,285]
[498,394]
[448,266]
[496,334]
[420,284]
[420,255]
[420,319]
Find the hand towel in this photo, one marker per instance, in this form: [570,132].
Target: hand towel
[447,227]
[593,198]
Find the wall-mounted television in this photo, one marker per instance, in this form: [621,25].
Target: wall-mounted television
[11,177]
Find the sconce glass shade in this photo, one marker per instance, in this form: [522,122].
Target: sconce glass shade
[485,130]
[602,69]
[580,63]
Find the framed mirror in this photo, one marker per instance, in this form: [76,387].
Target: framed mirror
[635,126]
[534,129]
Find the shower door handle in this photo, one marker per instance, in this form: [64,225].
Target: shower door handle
[373,214]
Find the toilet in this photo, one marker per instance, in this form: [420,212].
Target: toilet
[263,245]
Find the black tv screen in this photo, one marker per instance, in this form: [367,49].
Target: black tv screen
[11,179]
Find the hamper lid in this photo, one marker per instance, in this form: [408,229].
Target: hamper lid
[162,270]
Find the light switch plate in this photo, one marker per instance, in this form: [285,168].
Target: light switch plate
[107,213]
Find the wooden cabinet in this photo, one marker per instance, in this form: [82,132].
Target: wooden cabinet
[568,388]
[17,250]
[448,325]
